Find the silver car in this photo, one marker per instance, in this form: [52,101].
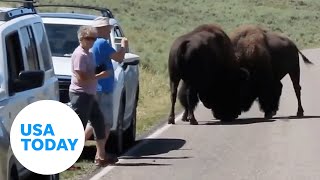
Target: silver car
[62,34]
[24,79]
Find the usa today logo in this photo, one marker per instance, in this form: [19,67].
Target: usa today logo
[47,137]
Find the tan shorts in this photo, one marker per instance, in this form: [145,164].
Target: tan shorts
[105,101]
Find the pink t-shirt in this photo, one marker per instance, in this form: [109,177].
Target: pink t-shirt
[82,61]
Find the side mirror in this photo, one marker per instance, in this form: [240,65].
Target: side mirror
[28,80]
[131,59]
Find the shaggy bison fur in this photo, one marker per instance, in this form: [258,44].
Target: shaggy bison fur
[205,61]
[268,56]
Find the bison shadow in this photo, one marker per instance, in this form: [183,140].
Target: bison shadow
[243,121]
[296,117]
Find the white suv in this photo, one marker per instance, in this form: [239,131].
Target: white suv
[62,34]
[26,76]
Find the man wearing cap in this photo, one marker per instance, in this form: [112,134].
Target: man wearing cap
[103,53]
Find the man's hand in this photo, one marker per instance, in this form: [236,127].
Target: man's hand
[124,42]
[119,55]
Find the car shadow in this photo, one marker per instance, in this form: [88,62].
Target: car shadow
[88,153]
[243,121]
[150,148]
[154,157]
[157,146]
[140,164]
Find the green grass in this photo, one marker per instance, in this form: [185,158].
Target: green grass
[152,25]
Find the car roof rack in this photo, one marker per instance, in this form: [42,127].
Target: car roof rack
[27,8]
[104,11]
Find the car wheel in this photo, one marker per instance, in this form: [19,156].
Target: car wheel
[45,177]
[14,174]
[130,133]
[119,132]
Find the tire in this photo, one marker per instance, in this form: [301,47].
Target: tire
[14,174]
[44,177]
[119,132]
[130,133]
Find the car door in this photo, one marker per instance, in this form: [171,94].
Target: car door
[15,62]
[27,60]
[50,89]
[131,78]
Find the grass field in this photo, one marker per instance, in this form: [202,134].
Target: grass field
[152,25]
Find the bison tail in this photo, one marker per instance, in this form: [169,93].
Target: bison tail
[182,50]
[182,61]
[305,59]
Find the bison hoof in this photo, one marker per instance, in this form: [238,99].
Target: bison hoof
[184,119]
[300,114]
[227,119]
[269,115]
[194,122]
[171,120]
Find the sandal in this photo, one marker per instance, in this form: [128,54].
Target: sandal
[105,162]
[101,162]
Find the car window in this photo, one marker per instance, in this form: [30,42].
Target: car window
[118,32]
[15,58]
[45,51]
[118,35]
[62,39]
[29,46]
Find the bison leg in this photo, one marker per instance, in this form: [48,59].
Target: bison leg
[270,103]
[173,89]
[183,100]
[189,99]
[185,116]
[295,78]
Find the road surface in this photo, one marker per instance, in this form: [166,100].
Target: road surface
[285,148]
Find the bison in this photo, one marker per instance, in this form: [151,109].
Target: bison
[205,61]
[268,56]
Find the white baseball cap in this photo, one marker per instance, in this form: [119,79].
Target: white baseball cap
[101,22]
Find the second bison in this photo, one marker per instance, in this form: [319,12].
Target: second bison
[205,61]
[268,56]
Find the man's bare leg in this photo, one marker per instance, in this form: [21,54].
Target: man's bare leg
[89,131]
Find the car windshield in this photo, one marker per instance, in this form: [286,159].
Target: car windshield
[62,39]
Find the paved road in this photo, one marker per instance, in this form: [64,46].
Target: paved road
[285,148]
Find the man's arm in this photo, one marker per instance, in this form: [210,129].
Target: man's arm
[119,55]
[102,74]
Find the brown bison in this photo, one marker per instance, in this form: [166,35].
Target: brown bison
[204,60]
[269,57]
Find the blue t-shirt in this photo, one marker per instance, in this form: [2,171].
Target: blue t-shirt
[101,51]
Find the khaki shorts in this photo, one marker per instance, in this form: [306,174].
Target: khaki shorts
[105,101]
[85,106]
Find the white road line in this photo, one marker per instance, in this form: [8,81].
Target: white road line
[107,169]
